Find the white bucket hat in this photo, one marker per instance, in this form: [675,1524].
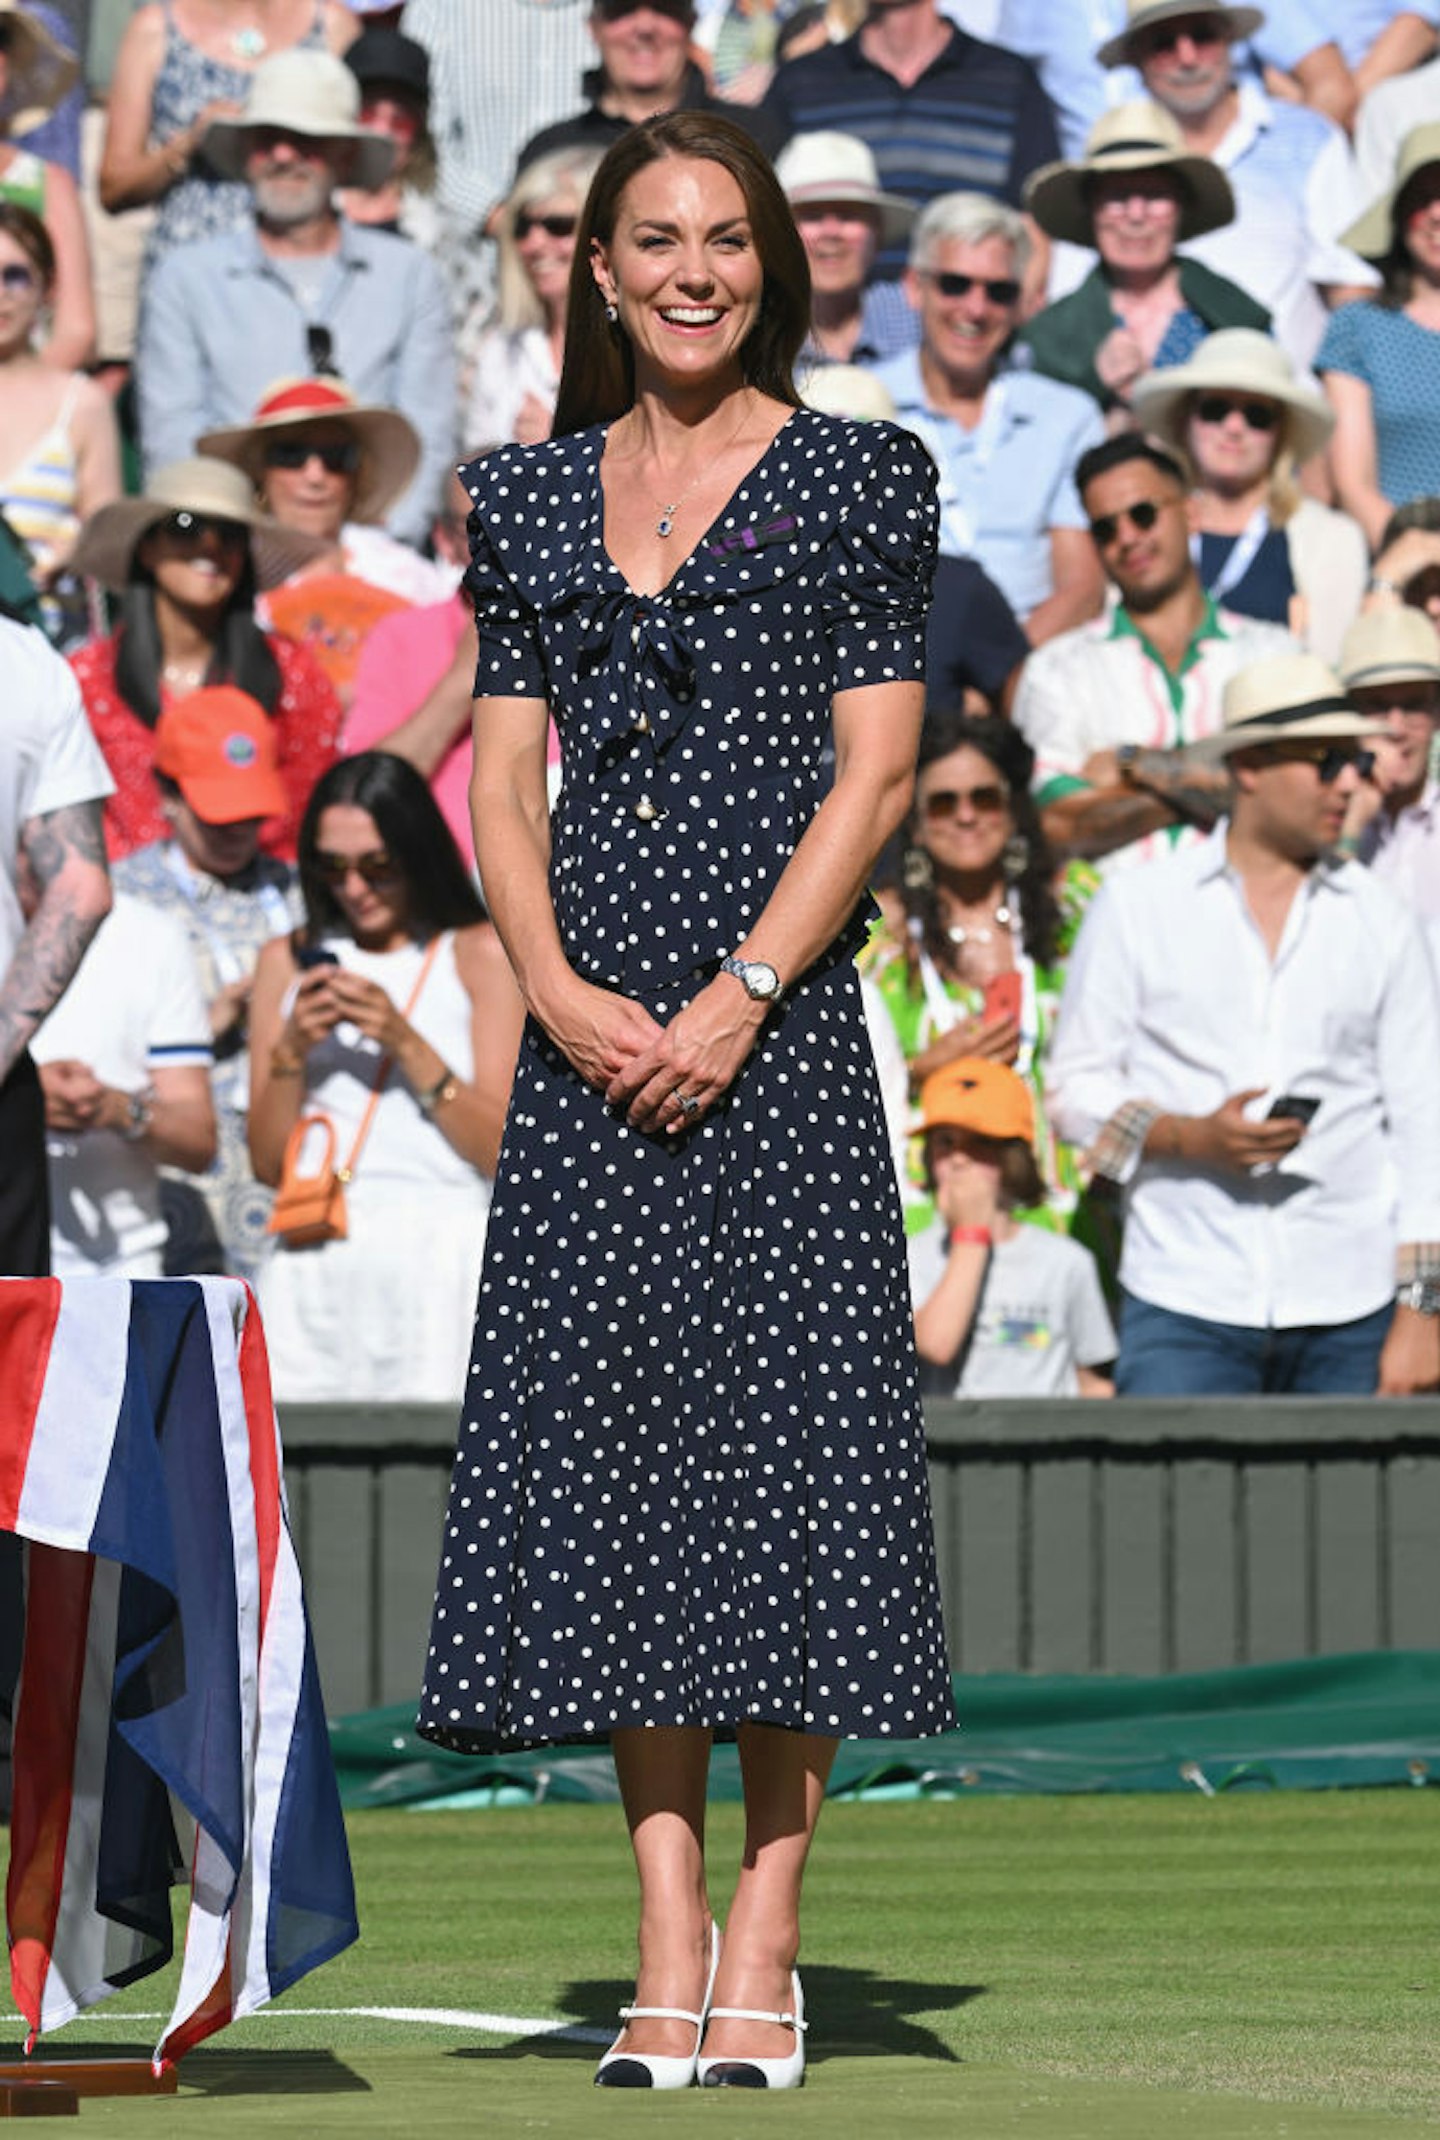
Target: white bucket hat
[1390,646]
[1138,136]
[210,489]
[1237,360]
[1286,698]
[839,167]
[1373,235]
[302,92]
[389,442]
[1115,52]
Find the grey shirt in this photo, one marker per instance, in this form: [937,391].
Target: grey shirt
[1041,1314]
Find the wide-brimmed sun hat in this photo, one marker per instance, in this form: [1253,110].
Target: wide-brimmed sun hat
[1140,14]
[982,1096]
[1286,698]
[1138,136]
[301,91]
[218,746]
[1373,235]
[389,442]
[826,166]
[1390,646]
[41,71]
[211,490]
[1237,360]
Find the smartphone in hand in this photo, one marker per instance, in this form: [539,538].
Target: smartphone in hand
[1293,1107]
[1002,998]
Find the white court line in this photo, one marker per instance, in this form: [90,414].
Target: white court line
[448,2017]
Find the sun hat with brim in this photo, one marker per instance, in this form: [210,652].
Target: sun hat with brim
[839,167]
[1390,646]
[1373,236]
[301,91]
[218,746]
[41,71]
[975,1094]
[1237,360]
[1286,698]
[1115,52]
[212,490]
[389,442]
[1138,136]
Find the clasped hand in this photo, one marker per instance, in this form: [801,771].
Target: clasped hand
[642,1066]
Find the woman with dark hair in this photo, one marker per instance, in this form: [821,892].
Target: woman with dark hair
[693,1399]
[976,965]
[1380,359]
[186,559]
[392,1008]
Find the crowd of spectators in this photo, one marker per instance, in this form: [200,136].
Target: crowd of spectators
[1157,283]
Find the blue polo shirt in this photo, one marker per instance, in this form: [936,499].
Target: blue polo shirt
[1003,486]
[976,121]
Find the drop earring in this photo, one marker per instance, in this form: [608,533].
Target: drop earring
[612,313]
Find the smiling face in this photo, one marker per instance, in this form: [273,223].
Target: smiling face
[1185,63]
[1136,219]
[197,566]
[1411,712]
[1147,564]
[22,295]
[643,53]
[1418,220]
[840,239]
[963,333]
[1229,453]
[962,813]
[684,273]
[544,233]
[292,175]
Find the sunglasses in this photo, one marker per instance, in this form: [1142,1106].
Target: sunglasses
[999,289]
[16,276]
[1167,36]
[194,527]
[554,226]
[988,801]
[337,456]
[1259,415]
[320,347]
[1330,760]
[1142,515]
[377,868]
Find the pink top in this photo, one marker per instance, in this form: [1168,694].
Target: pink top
[402,660]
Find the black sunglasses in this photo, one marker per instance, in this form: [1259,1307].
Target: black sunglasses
[1142,515]
[1259,415]
[377,868]
[1000,289]
[1330,760]
[987,801]
[1167,36]
[554,226]
[337,456]
[320,345]
[15,275]
[194,527]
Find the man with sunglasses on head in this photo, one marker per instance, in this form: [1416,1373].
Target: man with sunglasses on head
[1005,441]
[1111,707]
[299,290]
[1247,1047]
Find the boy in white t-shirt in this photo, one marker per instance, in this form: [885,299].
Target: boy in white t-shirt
[1009,1310]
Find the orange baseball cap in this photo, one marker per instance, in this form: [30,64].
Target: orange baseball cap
[218,746]
[975,1094]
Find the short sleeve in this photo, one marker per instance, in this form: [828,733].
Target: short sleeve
[877,588]
[1343,347]
[179,1025]
[510,663]
[67,767]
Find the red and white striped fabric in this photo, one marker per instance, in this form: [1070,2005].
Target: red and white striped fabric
[169,1721]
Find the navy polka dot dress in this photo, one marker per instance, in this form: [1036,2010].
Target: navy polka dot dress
[690,1483]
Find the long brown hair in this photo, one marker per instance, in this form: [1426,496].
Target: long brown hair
[597,379]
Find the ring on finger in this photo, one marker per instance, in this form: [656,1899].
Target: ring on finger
[686,1102]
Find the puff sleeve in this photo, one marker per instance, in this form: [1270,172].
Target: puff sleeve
[877,587]
[510,663]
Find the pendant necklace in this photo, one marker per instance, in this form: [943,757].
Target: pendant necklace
[959,935]
[665,524]
[248,43]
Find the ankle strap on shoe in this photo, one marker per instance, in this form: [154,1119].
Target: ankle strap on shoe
[754,2013]
[660,2013]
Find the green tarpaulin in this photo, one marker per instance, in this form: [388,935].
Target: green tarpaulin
[1317,1723]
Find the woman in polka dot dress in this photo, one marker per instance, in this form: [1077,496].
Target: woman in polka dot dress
[689,1494]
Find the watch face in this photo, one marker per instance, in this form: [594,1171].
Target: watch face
[762,980]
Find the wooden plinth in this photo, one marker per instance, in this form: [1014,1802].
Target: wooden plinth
[83,2076]
[37,2099]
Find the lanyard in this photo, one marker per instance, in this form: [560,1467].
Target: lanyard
[1242,555]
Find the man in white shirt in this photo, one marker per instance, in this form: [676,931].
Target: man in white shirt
[1110,708]
[1248,1045]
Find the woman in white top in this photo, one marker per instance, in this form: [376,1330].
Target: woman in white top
[514,372]
[397,984]
[1244,423]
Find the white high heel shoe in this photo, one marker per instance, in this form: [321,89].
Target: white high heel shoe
[649,2069]
[787,2072]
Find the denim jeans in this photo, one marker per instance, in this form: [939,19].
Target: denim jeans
[1166,1354]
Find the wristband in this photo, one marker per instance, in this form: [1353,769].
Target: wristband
[971,1236]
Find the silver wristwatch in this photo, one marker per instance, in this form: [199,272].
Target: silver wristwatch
[755,977]
[1421,1294]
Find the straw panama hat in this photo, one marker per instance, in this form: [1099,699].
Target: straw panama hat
[1115,52]
[1390,646]
[839,167]
[976,1094]
[209,488]
[389,442]
[1374,234]
[41,71]
[1138,136]
[1237,360]
[1286,698]
[848,390]
[306,92]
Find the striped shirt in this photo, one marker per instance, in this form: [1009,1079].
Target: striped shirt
[976,121]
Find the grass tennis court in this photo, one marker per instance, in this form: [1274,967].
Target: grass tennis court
[1088,1968]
